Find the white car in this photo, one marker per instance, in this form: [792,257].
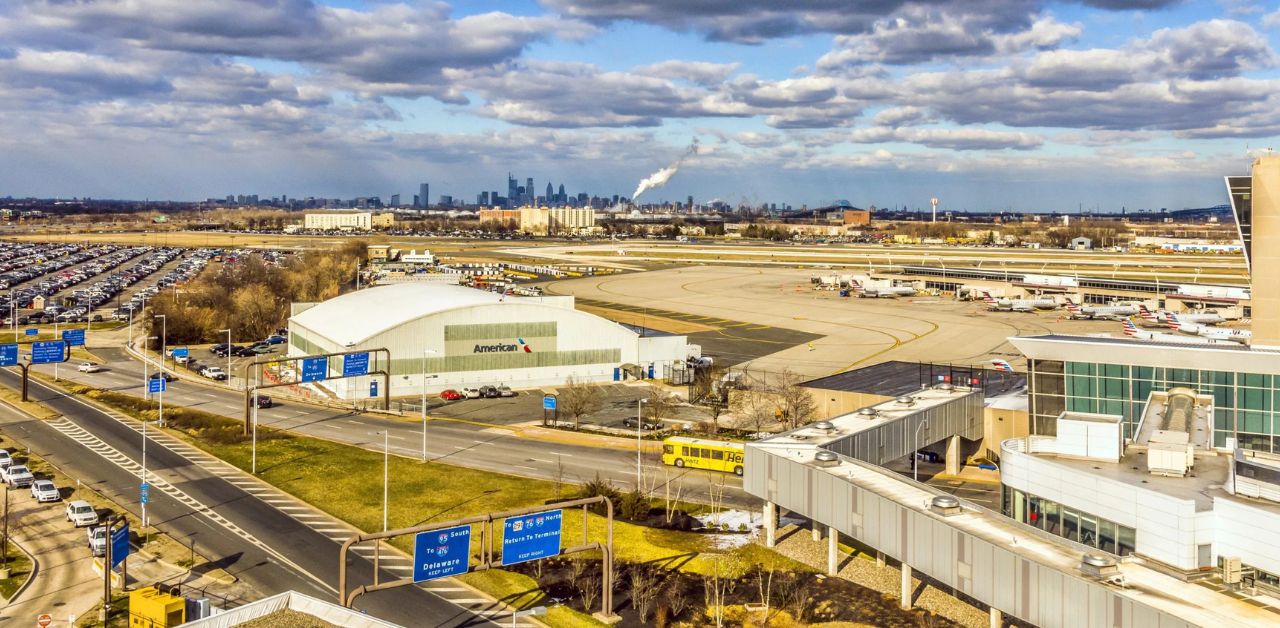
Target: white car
[471,393]
[18,476]
[81,513]
[45,491]
[98,540]
[89,367]
[5,459]
[214,372]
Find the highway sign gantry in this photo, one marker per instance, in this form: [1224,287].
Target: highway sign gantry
[530,537]
[355,364]
[441,553]
[315,369]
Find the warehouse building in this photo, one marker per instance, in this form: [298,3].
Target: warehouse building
[453,337]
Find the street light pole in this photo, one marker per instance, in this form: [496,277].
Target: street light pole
[639,425]
[164,338]
[425,353]
[253,469]
[55,336]
[915,460]
[386,471]
[228,330]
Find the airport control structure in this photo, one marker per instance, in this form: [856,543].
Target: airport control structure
[1142,488]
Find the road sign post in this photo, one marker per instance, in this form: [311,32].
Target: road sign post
[373,389]
[43,620]
[355,364]
[315,369]
[441,553]
[550,409]
[9,355]
[73,337]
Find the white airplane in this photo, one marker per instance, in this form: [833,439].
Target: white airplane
[1114,312]
[1163,318]
[1132,331]
[1208,331]
[1018,305]
[883,293]
[1002,366]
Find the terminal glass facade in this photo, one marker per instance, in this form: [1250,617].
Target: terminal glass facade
[1245,405]
[1067,522]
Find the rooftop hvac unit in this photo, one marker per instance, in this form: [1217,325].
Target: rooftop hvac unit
[945,505]
[1231,570]
[1170,454]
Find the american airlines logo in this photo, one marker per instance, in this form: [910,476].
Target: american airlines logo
[502,347]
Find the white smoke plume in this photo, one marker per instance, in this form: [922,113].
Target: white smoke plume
[660,178]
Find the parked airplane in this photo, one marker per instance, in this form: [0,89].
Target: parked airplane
[1002,366]
[1019,305]
[1208,331]
[883,293]
[1164,318]
[1132,331]
[1114,312]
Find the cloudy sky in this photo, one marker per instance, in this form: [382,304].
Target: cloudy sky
[987,104]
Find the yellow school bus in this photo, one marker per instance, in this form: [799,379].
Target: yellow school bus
[699,453]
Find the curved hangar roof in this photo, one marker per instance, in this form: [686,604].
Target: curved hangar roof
[355,316]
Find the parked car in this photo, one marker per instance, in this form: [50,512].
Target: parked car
[98,540]
[505,391]
[166,375]
[5,459]
[81,513]
[927,456]
[489,392]
[219,349]
[89,367]
[262,347]
[243,352]
[45,491]
[265,401]
[18,476]
[182,359]
[450,395]
[648,424]
[214,372]
[471,393]
[276,339]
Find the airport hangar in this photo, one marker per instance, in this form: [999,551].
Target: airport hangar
[447,336]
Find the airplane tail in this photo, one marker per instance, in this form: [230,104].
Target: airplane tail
[986,298]
[1146,314]
[1129,328]
[1002,366]
[1072,307]
[1174,322]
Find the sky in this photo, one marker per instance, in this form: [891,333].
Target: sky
[985,104]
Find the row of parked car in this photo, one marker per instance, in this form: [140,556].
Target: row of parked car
[183,272]
[79,512]
[479,392]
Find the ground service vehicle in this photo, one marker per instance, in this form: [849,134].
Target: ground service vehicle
[699,453]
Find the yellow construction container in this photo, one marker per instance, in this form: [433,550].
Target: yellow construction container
[152,608]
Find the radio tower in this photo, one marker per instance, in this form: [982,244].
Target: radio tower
[934,201]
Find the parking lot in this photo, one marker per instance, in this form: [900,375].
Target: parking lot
[619,404]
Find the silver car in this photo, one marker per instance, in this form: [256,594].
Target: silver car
[5,459]
[45,491]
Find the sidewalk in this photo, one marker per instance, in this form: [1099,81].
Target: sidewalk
[64,584]
[797,543]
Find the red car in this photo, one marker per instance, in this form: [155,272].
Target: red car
[450,395]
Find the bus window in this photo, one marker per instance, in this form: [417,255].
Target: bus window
[706,453]
[668,449]
[716,454]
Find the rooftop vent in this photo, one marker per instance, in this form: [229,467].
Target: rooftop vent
[945,505]
[944,387]
[906,400]
[823,426]
[1099,565]
[868,412]
[826,459]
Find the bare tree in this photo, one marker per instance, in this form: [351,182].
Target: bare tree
[677,597]
[658,405]
[715,497]
[589,591]
[673,489]
[578,398]
[795,402]
[717,586]
[764,586]
[559,475]
[644,589]
[756,408]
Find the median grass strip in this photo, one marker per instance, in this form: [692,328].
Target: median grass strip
[19,566]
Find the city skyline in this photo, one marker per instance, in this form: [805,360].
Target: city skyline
[1022,105]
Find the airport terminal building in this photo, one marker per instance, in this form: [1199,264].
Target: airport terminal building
[452,337]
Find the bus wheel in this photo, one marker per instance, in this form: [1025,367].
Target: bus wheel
[738,470]
[680,463]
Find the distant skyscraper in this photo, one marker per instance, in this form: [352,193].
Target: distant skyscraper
[395,200]
[560,196]
[424,196]
[551,193]
[691,203]
[512,190]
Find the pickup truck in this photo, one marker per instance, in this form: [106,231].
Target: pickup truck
[18,476]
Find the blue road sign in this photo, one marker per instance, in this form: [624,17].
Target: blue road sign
[144,486]
[119,544]
[441,553]
[8,355]
[156,385]
[31,331]
[181,352]
[373,388]
[315,369]
[74,337]
[530,537]
[143,500]
[355,364]
[548,402]
[48,352]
